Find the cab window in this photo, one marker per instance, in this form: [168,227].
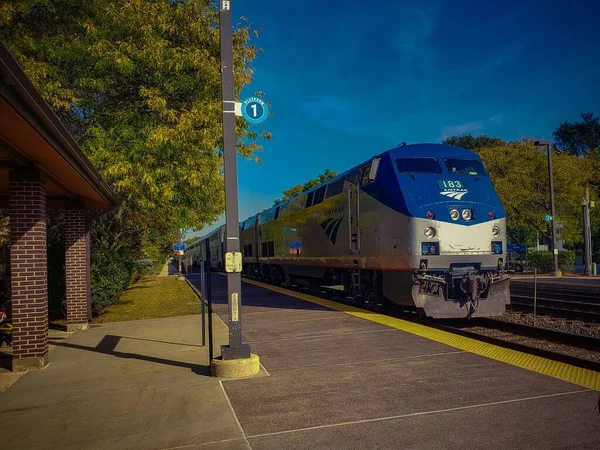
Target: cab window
[464,166]
[418,165]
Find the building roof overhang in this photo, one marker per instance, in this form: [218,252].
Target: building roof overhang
[31,135]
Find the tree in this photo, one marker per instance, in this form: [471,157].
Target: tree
[469,142]
[578,138]
[519,171]
[138,83]
[300,188]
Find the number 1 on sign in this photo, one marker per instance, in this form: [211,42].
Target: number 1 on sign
[254,113]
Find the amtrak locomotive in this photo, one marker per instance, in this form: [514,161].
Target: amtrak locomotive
[419,225]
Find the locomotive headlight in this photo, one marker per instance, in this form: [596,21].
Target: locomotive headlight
[429,232]
[496,231]
[454,214]
[466,214]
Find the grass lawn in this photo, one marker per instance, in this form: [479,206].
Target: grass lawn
[152,298]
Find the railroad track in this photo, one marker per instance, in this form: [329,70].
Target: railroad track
[589,343]
[582,302]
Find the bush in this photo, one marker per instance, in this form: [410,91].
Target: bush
[110,275]
[566,260]
[543,260]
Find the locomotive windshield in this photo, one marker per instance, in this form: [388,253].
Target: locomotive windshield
[465,167]
[418,165]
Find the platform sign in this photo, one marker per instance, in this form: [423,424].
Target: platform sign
[179,246]
[548,218]
[255,110]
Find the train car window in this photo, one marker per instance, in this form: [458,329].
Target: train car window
[365,176]
[335,188]
[465,166]
[418,165]
[319,195]
[271,248]
[309,199]
[249,249]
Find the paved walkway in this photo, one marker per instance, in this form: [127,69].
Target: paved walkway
[130,385]
[342,382]
[169,268]
[335,381]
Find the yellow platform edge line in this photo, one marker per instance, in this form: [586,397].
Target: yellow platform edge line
[576,375]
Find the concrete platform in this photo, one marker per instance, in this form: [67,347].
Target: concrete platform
[341,382]
[130,385]
[334,381]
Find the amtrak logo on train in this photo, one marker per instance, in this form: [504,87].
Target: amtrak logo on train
[457,195]
[452,188]
[331,227]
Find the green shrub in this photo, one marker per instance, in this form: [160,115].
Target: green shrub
[566,260]
[543,260]
[57,283]
[110,275]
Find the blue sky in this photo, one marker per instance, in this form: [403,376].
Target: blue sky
[347,80]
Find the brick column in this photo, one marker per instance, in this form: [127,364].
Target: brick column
[88,252]
[28,265]
[77,269]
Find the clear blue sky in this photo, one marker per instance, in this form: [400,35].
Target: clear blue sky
[349,79]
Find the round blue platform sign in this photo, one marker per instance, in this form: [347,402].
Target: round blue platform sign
[548,217]
[254,110]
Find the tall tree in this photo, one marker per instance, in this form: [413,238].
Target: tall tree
[578,138]
[138,82]
[519,171]
[300,188]
[470,142]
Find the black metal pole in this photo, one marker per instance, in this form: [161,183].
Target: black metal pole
[209,301]
[202,300]
[554,251]
[587,238]
[235,349]
[553,212]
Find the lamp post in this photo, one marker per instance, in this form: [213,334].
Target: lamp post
[236,348]
[542,143]
[587,233]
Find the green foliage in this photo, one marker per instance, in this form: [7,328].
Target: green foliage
[56,263]
[543,260]
[300,188]
[110,275]
[519,171]
[469,142]
[138,84]
[578,138]
[522,235]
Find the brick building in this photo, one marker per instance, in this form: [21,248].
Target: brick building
[41,168]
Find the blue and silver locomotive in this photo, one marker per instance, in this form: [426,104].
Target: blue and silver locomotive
[419,225]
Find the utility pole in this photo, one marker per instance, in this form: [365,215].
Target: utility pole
[587,232]
[179,256]
[545,143]
[233,258]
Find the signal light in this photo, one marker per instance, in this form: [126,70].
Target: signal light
[430,215]
[492,215]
